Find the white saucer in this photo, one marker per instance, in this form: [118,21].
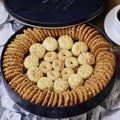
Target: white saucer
[110,28]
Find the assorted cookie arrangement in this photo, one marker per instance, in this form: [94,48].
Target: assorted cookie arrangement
[58,67]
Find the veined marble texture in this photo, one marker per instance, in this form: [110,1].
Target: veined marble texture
[109,109]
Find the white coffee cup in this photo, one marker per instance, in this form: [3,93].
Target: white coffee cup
[116,20]
[112,24]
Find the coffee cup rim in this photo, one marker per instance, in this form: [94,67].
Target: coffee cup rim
[116,14]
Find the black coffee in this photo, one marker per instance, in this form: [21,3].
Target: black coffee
[118,15]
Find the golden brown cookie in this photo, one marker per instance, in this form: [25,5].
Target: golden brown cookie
[77,37]
[35,96]
[21,79]
[60,101]
[11,71]
[107,59]
[48,32]
[45,32]
[26,86]
[28,91]
[10,76]
[99,83]
[81,30]
[50,102]
[66,98]
[17,49]
[90,90]
[84,32]
[52,33]
[56,32]
[5,61]
[93,85]
[14,68]
[20,39]
[106,64]
[70,31]
[47,97]
[91,36]
[104,49]
[105,70]
[16,80]
[11,52]
[32,93]
[71,101]
[106,55]
[12,57]
[84,92]
[73,31]
[59,31]
[100,45]
[12,63]
[55,100]
[88,33]
[79,95]
[29,32]
[41,33]
[74,97]
[31,41]
[20,87]
[102,76]
[23,44]
[63,31]
[17,45]
[96,39]
[40,98]
[37,34]
[66,30]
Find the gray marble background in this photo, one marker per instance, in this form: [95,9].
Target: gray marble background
[109,109]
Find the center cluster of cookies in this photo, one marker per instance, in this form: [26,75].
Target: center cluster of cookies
[59,65]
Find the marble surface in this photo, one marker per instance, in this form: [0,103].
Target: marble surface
[109,109]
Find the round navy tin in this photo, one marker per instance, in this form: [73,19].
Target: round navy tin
[57,112]
[53,13]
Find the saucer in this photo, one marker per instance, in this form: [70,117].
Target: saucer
[110,28]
